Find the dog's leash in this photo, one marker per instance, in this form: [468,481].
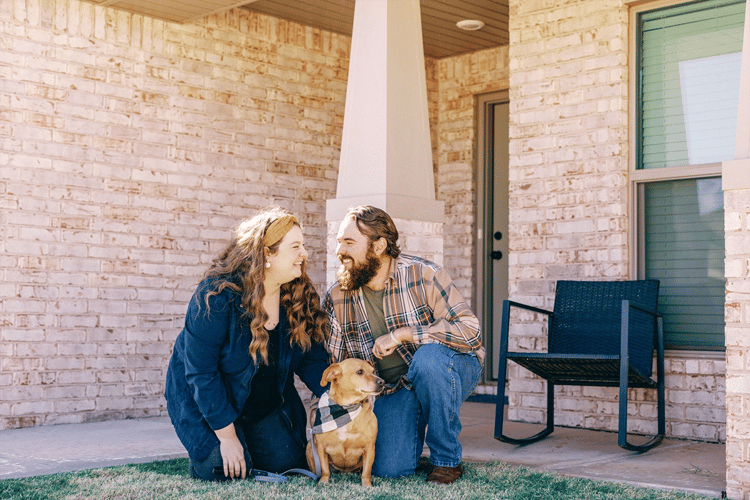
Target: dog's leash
[270,477]
[265,476]
[311,437]
[316,458]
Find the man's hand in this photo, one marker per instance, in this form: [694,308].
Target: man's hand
[232,452]
[386,344]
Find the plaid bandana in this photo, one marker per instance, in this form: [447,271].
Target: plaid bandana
[330,416]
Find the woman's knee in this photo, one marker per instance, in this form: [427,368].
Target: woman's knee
[204,470]
[273,446]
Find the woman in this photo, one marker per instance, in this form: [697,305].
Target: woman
[253,322]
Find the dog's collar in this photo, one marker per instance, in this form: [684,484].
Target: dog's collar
[330,415]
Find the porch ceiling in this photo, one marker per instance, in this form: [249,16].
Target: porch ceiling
[440,35]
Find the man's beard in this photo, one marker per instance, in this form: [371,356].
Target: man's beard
[360,274]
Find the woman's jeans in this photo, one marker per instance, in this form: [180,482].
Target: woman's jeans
[441,380]
[269,442]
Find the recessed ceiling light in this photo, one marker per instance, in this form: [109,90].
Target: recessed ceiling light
[470,24]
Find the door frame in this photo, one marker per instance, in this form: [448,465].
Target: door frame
[483,216]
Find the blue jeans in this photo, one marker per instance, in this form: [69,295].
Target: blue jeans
[441,380]
[269,445]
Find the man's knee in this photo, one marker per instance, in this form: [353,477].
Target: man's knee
[398,444]
[430,362]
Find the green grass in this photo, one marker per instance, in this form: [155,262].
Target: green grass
[170,480]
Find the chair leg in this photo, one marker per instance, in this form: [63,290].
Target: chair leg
[660,374]
[550,426]
[501,372]
[622,437]
[500,401]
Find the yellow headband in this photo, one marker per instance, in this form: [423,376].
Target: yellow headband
[278,229]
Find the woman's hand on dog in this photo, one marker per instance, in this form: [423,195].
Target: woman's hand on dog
[386,344]
[232,452]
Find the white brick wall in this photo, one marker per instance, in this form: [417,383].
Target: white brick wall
[569,206]
[128,149]
[460,79]
[737,271]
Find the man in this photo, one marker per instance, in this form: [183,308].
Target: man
[404,315]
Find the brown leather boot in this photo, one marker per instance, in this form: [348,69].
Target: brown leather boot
[445,475]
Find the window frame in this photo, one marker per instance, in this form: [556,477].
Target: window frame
[638,178]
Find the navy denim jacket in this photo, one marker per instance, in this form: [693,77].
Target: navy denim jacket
[209,375]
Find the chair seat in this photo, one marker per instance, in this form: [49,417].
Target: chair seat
[580,369]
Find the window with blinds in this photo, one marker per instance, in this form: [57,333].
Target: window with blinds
[684,250]
[690,80]
[687,86]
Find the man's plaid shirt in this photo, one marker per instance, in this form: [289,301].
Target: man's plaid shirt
[418,294]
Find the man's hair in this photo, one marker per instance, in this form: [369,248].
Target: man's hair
[375,223]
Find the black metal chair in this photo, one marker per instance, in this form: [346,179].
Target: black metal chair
[601,333]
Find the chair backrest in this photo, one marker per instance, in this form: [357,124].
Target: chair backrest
[587,319]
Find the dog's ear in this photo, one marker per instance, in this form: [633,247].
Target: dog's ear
[331,373]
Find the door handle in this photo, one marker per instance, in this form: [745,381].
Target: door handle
[496,255]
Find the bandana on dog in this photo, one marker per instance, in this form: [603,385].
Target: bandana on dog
[330,415]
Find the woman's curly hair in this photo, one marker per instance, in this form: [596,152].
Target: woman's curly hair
[240,267]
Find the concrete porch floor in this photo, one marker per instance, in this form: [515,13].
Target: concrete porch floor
[674,464]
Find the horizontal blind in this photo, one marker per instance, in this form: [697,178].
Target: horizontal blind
[689,83]
[684,246]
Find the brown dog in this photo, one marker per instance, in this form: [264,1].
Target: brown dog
[344,433]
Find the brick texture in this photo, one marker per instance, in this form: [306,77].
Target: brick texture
[569,204]
[129,147]
[737,316]
[460,80]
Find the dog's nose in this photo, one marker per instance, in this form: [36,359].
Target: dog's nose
[379,381]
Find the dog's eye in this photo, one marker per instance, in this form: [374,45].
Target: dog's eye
[360,371]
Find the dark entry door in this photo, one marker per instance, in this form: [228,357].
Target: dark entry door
[492,217]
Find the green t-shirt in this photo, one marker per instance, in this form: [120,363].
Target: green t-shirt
[393,366]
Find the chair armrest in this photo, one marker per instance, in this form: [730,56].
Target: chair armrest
[638,307]
[505,325]
[635,348]
[529,308]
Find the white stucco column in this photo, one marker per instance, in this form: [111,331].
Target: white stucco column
[736,184]
[386,155]
[736,173]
